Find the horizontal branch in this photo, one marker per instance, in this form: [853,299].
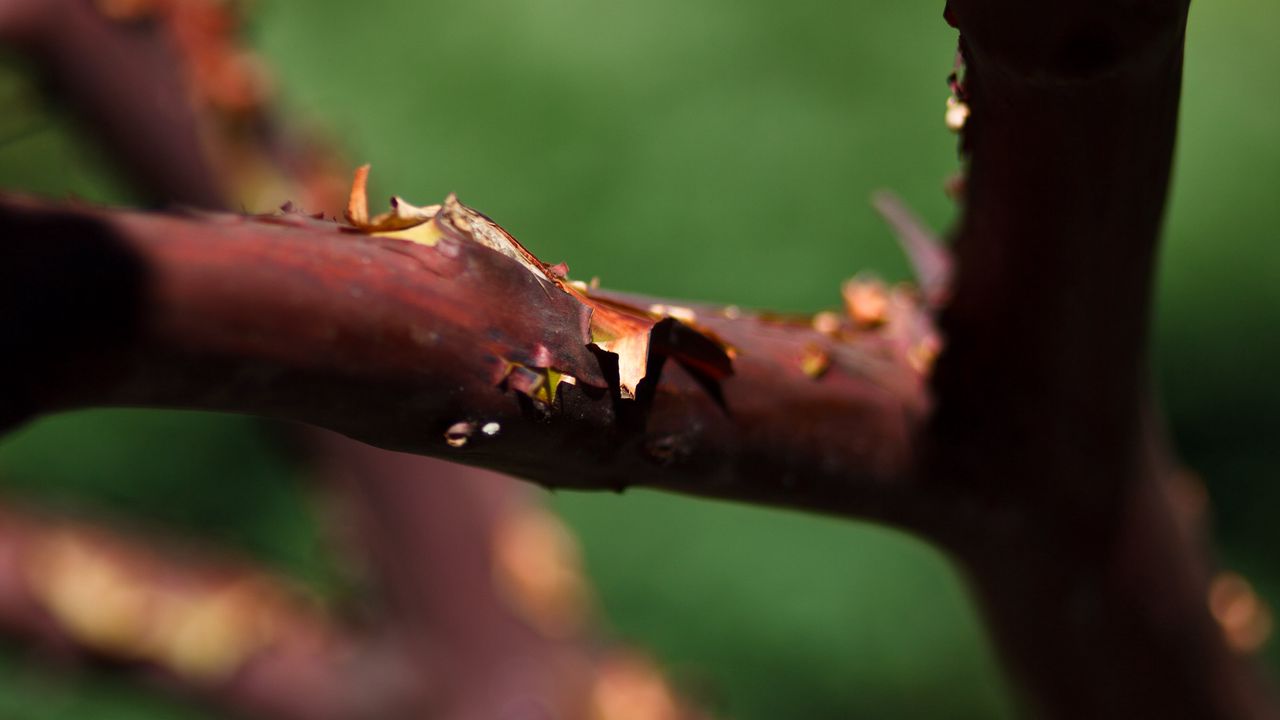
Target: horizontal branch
[477,602]
[457,351]
[206,627]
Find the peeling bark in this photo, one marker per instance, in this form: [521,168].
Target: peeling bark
[393,343]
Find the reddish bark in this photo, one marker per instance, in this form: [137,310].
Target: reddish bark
[393,343]
[1095,595]
[206,626]
[481,587]
[1041,467]
[477,607]
[131,88]
[466,613]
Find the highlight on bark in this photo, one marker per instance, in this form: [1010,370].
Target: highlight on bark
[615,327]
[641,336]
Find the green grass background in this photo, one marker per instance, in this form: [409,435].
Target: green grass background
[713,150]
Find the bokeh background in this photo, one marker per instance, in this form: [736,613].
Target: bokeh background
[717,150]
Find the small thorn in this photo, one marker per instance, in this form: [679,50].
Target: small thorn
[358,202]
[930,260]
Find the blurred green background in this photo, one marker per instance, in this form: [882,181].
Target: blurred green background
[714,150]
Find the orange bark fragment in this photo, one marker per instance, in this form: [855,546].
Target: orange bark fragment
[615,327]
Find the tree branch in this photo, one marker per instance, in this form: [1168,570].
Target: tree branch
[1095,595]
[395,343]
[1043,469]
[483,587]
[135,93]
[486,607]
[477,605]
[209,628]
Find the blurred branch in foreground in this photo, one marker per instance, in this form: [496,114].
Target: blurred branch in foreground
[483,608]
[484,588]
[209,627]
